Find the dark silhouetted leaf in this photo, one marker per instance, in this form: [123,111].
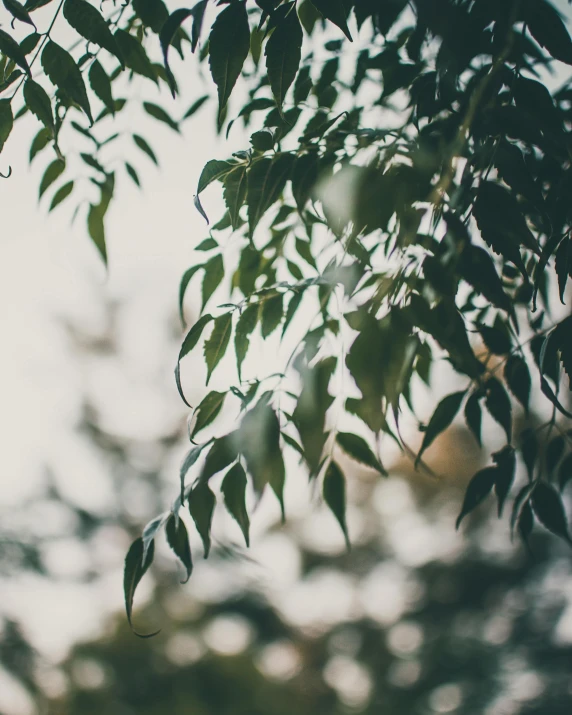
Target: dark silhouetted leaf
[178,540]
[168,31]
[554,452]
[233,488]
[357,448]
[136,564]
[547,28]
[565,471]
[283,53]
[244,328]
[266,180]
[61,69]
[474,416]
[134,55]
[229,43]
[334,493]
[506,466]
[39,103]
[337,12]
[89,23]
[10,48]
[477,491]
[216,345]
[145,148]
[549,510]
[441,419]
[517,376]
[6,121]
[235,183]
[201,506]
[529,449]
[498,404]
[208,410]
[214,273]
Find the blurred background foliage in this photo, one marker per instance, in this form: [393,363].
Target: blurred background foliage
[416,619]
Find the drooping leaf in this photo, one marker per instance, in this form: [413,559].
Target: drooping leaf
[145,148]
[478,269]
[496,339]
[194,334]
[208,410]
[213,170]
[157,112]
[136,565]
[271,314]
[168,30]
[10,48]
[547,28]
[235,183]
[152,13]
[6,121]
[39,142]
[266,180]
[244,328]
[309,416]
[229,43]
[477,491]
[506,465]
[554,452]
[529,449]
[283,52]
[565,472]
[185,280]
[198,16]
[549,510]
[334,493]
[474,415]
[87,21]
[18,11]
[259,440]
[233,488]
[337,12]
[178,540]
[517,376]
[195,106]
[134,55]
[304,178]
[61,195]
[359,450]
[498,404]
[444,414]
[54,170]
[39,103]
[202,502]
[214,273]
[216,345]
[63,72]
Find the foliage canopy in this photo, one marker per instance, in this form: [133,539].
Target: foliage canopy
[405,193]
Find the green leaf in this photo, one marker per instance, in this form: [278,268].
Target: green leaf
[520,502]
[208,410]
[334,493]
[152,13]
[505,460]
[194,334]
[498,404]
[517,376]
[213,170]
[235,183]
[133,174]
[178,540]
[262,140]
[185,280]
[198,16]
[478,269]
[441,419]
[259,442]
[101,85]
[229,43]
[359,450]
[222,453]
[18,11]
[39,142]
[554,452]
[30,42]
[134,55]
[195,106]
[51,174]
[304,178]
[201,506]
[168,31]
[136,565]
[477,491]
[496,338]
[546,26]
[271,314]
[474,416]
[39,103]
[309,415]
[337,12]
[96,216]
[565,471]
[10,48]
[216,345]
[61,194]
[283,53]
[244,328]
[6,121]
[145,148]
[153,110]
[90,24]
[266,180]
[62,71]
[529,449]
[549,510]
[233,488]
[293,306]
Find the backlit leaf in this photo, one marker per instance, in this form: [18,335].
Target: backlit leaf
[334,493]
[477,491]
[201,506]
[136,565]
[283,52]
[233,488]
[39,103]
[337,12]
[549,510]
[178,540]
[214,273]
[357,448]
[208,410]
[216,345]
[441,419]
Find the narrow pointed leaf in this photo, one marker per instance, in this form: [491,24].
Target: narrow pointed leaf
[357,448]
[39,103]
[441,419]
[235,183]
[549,510]
[337,12]
[216,345]
[477,491]
[202,502]
[135,568]
[178,540]
[334,493]
[214,273]
[233,488]
[170,27]
[63,72]
[244,328]
[90,24]
[283,53]
[208,410]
